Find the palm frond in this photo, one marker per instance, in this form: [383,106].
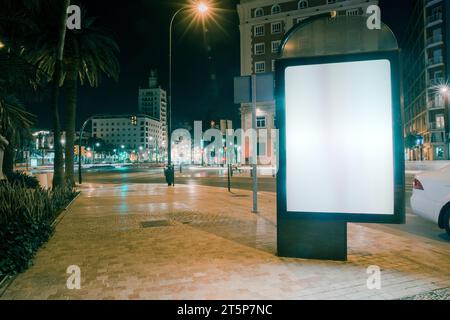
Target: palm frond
[15,121]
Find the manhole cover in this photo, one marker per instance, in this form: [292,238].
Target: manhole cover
[155,224]
[240,196]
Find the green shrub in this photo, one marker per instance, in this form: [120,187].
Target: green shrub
[26,217]
[22,179]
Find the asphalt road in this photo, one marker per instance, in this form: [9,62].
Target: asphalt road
[415,225]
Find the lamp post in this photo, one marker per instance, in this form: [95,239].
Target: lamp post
[80,177]
[201,8]
[93,151]
[122,147]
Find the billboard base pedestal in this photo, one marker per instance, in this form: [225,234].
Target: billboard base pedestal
[312,239]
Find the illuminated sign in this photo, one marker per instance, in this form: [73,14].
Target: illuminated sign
[341,138]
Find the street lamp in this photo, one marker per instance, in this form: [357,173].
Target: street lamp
[93,151]
[200,8]
[2,45]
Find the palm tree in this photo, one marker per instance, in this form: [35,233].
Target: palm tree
[58,177]
[47,54]
[90,52]
[41,16]
[16,75]
[15,126]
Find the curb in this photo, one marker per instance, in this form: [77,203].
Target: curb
[63,211]
[5,283]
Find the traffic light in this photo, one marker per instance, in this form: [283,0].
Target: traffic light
[134,121]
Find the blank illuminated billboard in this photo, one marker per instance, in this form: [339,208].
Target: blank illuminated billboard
[339,138]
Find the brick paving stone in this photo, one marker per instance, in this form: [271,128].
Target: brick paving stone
[213,248]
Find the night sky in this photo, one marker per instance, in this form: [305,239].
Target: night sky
[140,27]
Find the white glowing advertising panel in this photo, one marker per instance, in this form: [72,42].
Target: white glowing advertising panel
[339,138]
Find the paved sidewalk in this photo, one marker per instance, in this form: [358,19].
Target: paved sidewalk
[212,248]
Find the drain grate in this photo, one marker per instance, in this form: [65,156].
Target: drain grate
[240,196]
[155,224]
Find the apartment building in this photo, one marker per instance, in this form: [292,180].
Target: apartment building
[131,133]
[426,70]
[153,103]
[263,23]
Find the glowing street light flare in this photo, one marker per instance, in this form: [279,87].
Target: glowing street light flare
[2,45]
[202,7]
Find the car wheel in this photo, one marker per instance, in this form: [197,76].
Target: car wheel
[447,221]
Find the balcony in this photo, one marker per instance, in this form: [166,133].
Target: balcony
[435,61]
[435,105]
[434,40]
[437,140]
[434,18]
[436,126]
[437,81]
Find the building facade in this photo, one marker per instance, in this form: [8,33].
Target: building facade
[263,23]
[42,147]
[426,55]
[135,134]
[153,103]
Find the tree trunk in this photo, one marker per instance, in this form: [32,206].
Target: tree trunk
[58,167]
[9,156]
[71,107]
[8,160]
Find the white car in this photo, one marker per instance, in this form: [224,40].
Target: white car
[431,197]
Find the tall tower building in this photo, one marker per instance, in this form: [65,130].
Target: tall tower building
[153,103]
[426,71]
[263,23]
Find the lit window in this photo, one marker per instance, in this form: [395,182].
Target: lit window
[260,67]
[440,122]
[260,122]
[260,48]
[276,27]
[275,46]
[259,31]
